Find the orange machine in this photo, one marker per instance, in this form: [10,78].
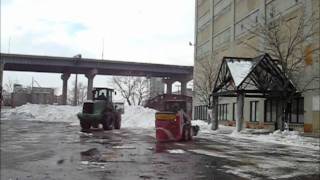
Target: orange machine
[172,123]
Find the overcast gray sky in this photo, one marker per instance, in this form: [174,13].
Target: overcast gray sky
[154,31]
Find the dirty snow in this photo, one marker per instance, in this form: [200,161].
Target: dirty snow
[176,151]
[261,154]
[140,117]
[298,155]
[44,113]
[293,138]
[134,116]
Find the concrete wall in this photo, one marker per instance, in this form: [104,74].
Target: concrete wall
[19,99]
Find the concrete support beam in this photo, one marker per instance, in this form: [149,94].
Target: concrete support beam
[169,83]
[65,77]
[90,75]
[1,78]
[214,116]
[240,106]
[183,81]
[183,87]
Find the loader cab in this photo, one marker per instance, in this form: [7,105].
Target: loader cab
[175,105]
[102,94]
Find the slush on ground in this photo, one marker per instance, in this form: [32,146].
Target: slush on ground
[44,142]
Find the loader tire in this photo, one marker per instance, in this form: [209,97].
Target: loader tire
[108,122]
[85,126]
[117,122]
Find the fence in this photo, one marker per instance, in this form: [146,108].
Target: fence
[201,112]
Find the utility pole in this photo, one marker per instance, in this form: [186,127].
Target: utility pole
[1,87]
[102,48]
[75,99]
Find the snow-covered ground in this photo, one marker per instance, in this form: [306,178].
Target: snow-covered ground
[270,154]
[140,117]
[293,138]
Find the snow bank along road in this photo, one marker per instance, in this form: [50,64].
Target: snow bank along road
[43,142]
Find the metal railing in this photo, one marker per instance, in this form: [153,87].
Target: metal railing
[201,112]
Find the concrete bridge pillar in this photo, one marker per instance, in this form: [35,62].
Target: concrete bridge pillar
[90,75]
[65,77]
[169,83]
[184,87]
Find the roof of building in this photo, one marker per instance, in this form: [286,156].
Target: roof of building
[259,77]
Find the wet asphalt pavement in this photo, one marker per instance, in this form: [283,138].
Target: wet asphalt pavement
[37,150]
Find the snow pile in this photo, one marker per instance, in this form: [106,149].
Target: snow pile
[293,138]
[206,128]
[138,117]
[134,116]
[43,112]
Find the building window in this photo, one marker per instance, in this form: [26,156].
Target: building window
[276,7]
[271,110]
[223,112]
[246,23]
[233,111]
[204,21]
[296,111]
[221,8]
[294,114]
[203,50]
[222,38]
[253,111]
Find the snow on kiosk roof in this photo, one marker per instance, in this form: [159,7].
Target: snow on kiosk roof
[239,69]
[257,77]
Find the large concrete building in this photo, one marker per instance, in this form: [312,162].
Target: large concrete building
[34,95]
[221,29]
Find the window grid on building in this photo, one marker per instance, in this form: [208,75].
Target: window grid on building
[233,111]
[221,8]
[294,114]
[276,7]
[247,23]
[223,112]
[253,111]
[222,38]
[203,49]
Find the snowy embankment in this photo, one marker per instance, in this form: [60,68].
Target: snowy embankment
[140,117]
[134,116]
[293,138]
[43,113]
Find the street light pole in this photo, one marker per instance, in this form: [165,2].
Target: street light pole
[1,77]
[75,99]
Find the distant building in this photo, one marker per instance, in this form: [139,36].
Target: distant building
[34,95]
[42,95]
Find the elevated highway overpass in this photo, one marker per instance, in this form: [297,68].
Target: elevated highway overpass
[92,67]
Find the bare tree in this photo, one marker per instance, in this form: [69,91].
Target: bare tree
[204,80]
[289,41]
[81,93]
[141,92]
[8,86]
[125,85]
[133,89]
